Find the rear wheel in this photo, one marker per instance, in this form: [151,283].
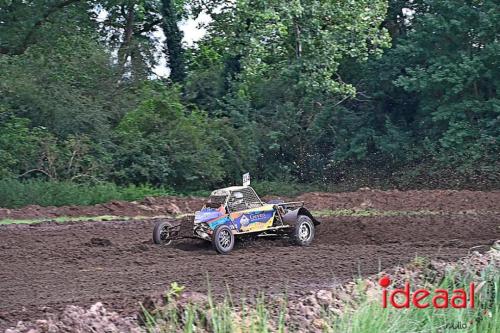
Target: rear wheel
[162,233]
[223,239]
[303,232]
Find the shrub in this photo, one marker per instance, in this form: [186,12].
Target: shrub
[15,193]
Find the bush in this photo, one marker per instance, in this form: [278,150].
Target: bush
[15,193]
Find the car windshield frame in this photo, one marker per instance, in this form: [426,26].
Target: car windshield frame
[257,202]
[219,200]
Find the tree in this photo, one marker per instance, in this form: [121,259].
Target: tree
[161,143]
[129,28]
[173,41]
[66,85]
[22,21]
[282,61]
[452,67]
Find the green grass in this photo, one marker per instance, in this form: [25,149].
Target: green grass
[216,317]
[388,213]
[317,213]
[370,317]
[63,219]
[369,212]
[367,316]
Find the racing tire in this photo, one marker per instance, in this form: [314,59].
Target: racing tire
[161,234]
[223,239]
[303,231]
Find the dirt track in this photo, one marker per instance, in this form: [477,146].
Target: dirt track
[47,266]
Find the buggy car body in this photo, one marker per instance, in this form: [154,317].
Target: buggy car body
[239,207]
[237,211]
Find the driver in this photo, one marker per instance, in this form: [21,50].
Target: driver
[238,202]
[221,209]
[215,204]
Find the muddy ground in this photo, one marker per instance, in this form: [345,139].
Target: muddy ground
[150,206]
[46,266]
[437,200]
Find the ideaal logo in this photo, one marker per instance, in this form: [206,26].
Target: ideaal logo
[423,298]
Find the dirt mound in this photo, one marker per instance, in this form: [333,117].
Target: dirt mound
[438,200]
[432,200]
[99,242]
[151,206]
[78,320]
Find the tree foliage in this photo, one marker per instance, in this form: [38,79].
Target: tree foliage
[401,92]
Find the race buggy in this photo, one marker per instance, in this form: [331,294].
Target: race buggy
[237,211]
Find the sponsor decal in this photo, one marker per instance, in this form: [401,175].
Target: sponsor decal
[216,223]
[206,215]
[261,216]
[249,218]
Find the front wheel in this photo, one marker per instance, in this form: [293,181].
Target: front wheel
[162,233]
[303,233]
[223,239]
